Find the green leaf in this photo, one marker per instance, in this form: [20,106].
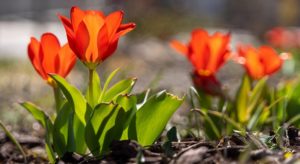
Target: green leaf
[212,130]
[220,115]
[13,139]
[203,100]
[152,117]
[110,77]
[106,124]
[38,114]
[128,103]
[255,117]
[68,132]
[142,97]
[45,121]
[74,97]
[94,88]
[121,88]
[242,100]
[62,134]
[79,136]
[172,134]
[256,94]
[172,137]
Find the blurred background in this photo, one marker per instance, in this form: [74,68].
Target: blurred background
[143,53]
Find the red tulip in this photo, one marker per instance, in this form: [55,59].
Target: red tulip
[260,62]
[207,53]
[92,35]
[280,37]
[48,56]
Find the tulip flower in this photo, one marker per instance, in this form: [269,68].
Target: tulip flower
[207,53]
[47,56]
[280,37]
[260,62]
[92,35]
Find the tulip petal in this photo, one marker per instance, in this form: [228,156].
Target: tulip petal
[70,33]
[179,47]
[67,60]
[99,13]
[50,47]
[270,59]
[93,23]
[113,22]
[103,43]
[77,16]
[34,56]
[82,41]
[218,51]
[199,54]
[124,29]
[253,64]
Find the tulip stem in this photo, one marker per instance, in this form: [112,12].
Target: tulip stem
[58,98]
[90,89]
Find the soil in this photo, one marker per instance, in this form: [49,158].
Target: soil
[230,149]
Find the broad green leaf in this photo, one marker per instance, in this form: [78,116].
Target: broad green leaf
[79,136]
[128,103]
[122,87]
[74,97]
[62,131]
[45,121]
[108,80]
[242,100]
[94,88]
[106,124]
[151,119]
[68,133]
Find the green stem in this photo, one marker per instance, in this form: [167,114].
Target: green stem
[58,99]
[91,92]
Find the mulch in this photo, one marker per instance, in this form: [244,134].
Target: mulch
[236,148]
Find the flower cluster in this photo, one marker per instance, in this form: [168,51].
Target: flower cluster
[284,38]
[208,53]
[92,37]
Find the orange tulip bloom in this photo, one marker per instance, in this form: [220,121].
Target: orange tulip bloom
[92,35]
[260,62]
[207,53]
[48,56]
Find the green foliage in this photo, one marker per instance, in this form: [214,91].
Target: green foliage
[106,114]
[74,98]
[251,109]
[155,112]
[45,121]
